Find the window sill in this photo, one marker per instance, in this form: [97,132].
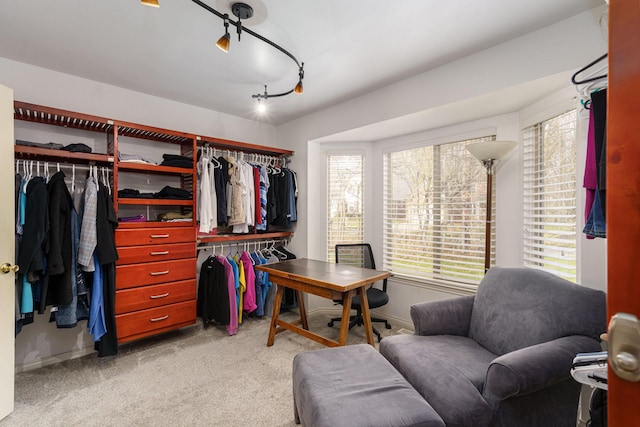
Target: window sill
[459,289]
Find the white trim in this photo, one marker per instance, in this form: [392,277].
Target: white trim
[52,360]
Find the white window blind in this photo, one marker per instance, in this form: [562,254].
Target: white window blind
[434,213]
[550,195]
[345,201]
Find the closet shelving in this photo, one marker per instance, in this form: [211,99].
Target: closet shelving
[63,118]
[128,136]
[155,273]
[225,146]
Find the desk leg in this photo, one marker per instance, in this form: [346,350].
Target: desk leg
[346,313]
[302,309]
[366,315]
[274,317]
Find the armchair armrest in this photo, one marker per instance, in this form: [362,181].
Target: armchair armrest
[446,317]
[532,368]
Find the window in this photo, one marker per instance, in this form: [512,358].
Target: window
[550,195]
[345,201]
[434,213]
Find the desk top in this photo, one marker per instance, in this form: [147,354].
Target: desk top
[338,277]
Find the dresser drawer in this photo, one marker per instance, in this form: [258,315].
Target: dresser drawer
[154,295]
[155,236]
[154,320]
[151,253]
[150,273]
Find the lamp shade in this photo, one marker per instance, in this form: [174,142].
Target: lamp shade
[491,150]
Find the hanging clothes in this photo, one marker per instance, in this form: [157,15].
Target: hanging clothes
[213,293]
[232,326]
[106,223]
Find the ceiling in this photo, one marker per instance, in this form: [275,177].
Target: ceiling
[349,47]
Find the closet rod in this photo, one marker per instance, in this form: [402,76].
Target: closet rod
[245,244]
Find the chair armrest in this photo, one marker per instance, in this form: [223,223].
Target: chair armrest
[532,368]
[445,317]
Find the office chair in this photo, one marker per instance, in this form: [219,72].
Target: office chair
[361,255]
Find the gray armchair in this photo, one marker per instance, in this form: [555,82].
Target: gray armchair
[502,357]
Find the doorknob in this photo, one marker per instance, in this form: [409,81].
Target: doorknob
[7,268]
[624,346]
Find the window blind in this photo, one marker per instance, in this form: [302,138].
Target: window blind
[345,201]
[550,195]
[434,213]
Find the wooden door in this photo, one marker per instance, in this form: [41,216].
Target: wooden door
[623,190]
[7,253]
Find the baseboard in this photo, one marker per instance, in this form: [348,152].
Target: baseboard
[397,323]
[51,360]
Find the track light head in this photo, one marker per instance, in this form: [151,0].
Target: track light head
[299,89]
[152,3]
[224,41]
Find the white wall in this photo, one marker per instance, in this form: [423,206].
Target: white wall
[560,48]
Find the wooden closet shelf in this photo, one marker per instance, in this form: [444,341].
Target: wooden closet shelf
[167,202]
[57,117]
[140,167]
[155,224]
[37,153]
[205,238]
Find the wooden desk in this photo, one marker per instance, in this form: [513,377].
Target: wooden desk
[328,280]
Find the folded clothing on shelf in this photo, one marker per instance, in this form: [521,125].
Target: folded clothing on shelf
[173,193]
[173,216]
[49,145]
[137,218]
[176,161]
[134,158]
[130,193]
[77,148]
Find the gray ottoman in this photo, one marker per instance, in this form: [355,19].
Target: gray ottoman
[355,386]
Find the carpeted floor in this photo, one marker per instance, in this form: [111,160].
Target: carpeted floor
[191,377]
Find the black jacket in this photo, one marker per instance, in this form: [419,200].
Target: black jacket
[59,253]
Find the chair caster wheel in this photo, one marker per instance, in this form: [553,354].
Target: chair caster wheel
[388,326]
[330,324]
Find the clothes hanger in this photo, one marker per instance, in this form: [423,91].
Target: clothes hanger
[575,80]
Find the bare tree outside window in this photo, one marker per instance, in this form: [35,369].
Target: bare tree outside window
[345,201]
[550,212]
[434,213]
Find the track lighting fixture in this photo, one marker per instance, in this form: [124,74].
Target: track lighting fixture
[224,41]
[245,11]
[152,3]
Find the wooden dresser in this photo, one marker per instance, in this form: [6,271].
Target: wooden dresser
[155,280]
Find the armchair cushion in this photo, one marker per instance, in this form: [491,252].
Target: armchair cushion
[507,309]
[444,317]
[448,371]
[533,368]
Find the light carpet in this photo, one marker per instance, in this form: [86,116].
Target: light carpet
[191,377]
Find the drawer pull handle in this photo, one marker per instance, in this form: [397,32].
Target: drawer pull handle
[159,253]
[159,236]
[158,273]
[159,296]
[158,319]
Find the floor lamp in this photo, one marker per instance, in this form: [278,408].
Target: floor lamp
[489,152]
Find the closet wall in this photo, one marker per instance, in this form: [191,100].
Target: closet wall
[42,343]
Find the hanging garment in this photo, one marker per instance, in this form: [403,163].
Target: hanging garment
[106,223]
[88,231]
[590,180]
[213,293]
[204,207]
[599,107]
[97,320]
[232,327]
[249,304]
[59,253]
[221,176]
[259,285]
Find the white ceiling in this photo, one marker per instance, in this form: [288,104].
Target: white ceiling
[349,47]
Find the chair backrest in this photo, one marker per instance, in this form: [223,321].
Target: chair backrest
[356,254]
[519,307]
